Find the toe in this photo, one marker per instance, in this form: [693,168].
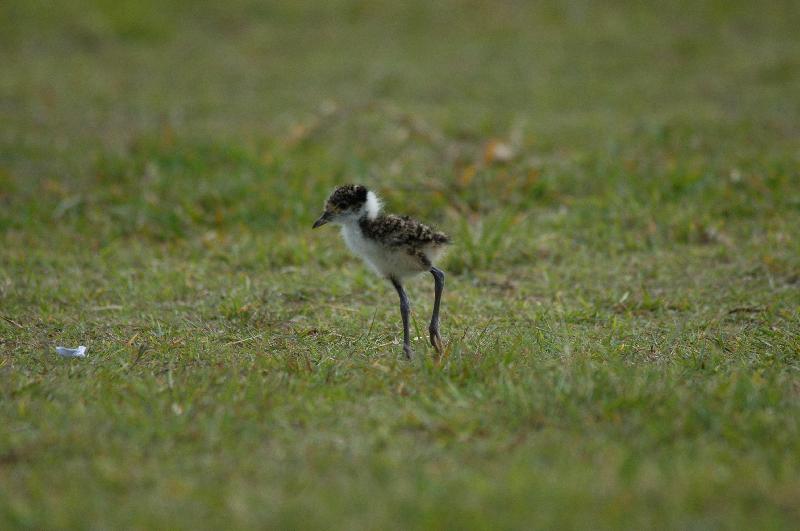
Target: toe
[436,342]
[407,352]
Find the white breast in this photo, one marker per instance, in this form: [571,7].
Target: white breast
[385,261]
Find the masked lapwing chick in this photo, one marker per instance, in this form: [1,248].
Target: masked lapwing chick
[395,247]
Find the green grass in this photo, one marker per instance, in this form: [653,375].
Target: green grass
[622,308]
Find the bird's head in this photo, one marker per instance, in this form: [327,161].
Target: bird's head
[349,203]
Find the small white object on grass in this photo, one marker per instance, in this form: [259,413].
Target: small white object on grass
[65,352]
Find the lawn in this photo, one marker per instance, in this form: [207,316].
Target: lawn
[622,304]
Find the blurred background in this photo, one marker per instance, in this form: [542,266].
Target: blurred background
[161,119]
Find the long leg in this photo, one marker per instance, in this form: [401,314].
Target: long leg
[438,280]
[404,308]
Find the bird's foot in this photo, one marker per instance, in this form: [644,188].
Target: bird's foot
[436,341]
[407,352]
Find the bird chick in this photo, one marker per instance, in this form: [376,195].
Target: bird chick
[395,247]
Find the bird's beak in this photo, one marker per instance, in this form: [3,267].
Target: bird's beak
[323,219]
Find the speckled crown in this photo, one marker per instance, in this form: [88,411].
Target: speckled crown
[346,197]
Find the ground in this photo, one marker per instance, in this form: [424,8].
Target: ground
[622,304]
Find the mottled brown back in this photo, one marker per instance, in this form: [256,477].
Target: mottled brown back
[398,231]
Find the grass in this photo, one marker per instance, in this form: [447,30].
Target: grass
[622,301]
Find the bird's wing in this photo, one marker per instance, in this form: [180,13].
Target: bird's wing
[396,231]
